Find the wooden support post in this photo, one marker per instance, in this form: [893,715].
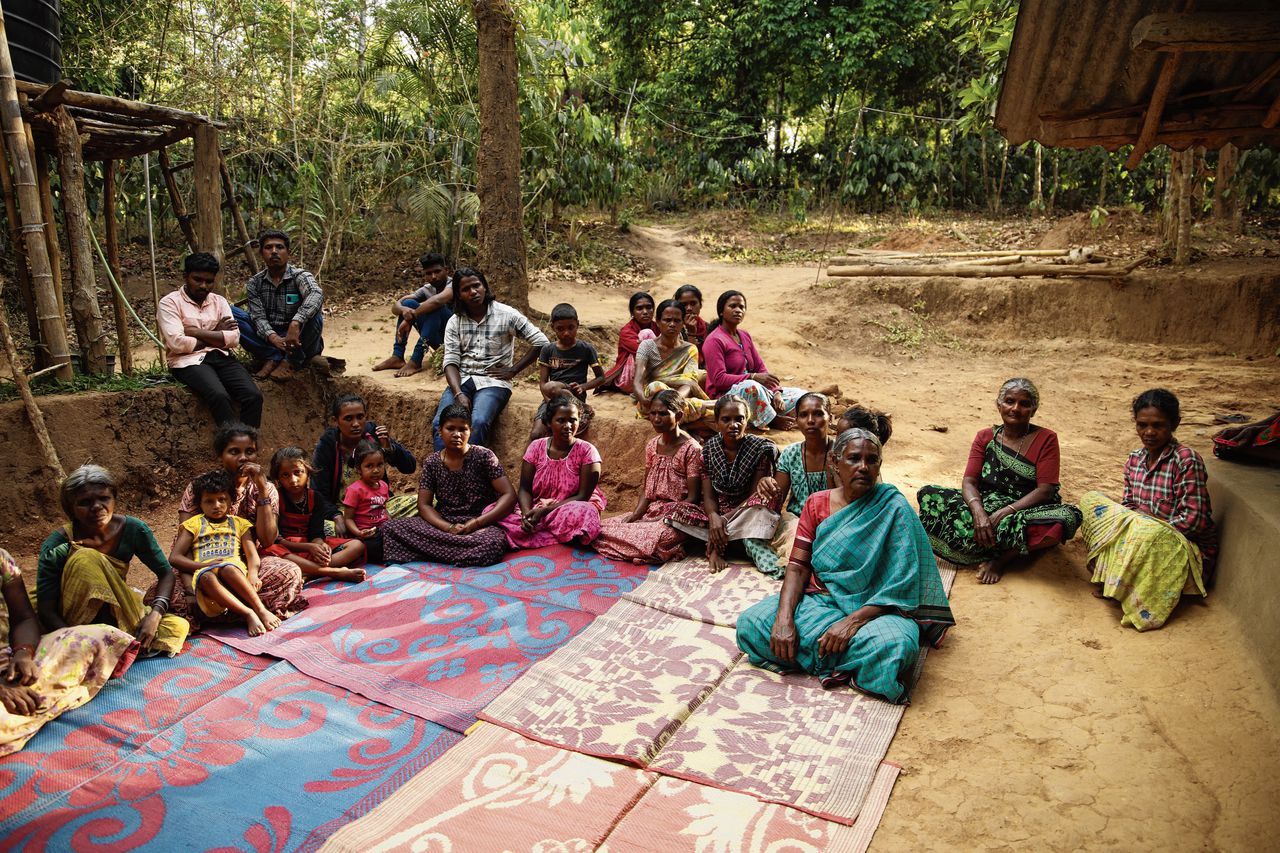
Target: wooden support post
[251,257]
[85,311]
[112,239]
[47,450]
[207,183]
[20,254]
[51,223]
[1182,237]
[175,200]
[53,330]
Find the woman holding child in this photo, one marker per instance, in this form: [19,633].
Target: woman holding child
[463,494]
[670,363]
[559,498]
[257,501]
[334,458]
[81,578]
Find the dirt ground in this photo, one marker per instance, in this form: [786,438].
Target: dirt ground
[1042,720]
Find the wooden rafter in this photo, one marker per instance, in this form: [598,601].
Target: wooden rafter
[1205,32]
[1151,120]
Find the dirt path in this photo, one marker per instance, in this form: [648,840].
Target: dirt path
[1042,720]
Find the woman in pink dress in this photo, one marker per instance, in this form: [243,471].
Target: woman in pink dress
[673,474]
[559,498]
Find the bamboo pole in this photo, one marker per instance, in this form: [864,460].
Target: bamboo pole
[19,253]
[251,258]
[47,450]
[206,183]
[86,313]
[980,271]
[111,230]
[878,253]
[51,231]
[179,206]
[151,240]
[53,330]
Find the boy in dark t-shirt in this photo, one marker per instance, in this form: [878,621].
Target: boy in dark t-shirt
[563,365]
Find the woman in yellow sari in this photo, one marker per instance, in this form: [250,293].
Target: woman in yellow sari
[670,363]
[42,677]
[82,574]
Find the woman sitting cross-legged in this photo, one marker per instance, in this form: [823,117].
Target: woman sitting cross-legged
[862,588]
[41,677]
[1008,505]
[463,494]
[1160,541]
[733,465]
[670,363]
[81,577]
[672,475]
[559,498]
[735,366]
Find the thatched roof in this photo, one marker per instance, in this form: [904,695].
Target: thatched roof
[1143,72]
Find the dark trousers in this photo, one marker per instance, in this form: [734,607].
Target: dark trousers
[220,380]
[312,339]
[430,331]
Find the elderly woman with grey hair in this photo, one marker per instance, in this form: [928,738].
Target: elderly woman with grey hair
[81,576]
[862,589]
[1008,504]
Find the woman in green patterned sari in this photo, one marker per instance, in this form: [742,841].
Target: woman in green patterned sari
[1008,504]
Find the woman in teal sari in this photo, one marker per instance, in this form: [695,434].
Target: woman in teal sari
[862,588]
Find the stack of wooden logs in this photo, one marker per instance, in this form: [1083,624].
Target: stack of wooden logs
[996,263]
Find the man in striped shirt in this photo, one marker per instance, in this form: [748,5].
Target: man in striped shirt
[479,354]
[284,324]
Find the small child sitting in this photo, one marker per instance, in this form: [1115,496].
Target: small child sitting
[364,506]
[562,369]
[303,512]
[217,550]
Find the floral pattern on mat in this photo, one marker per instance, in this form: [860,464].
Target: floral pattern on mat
[208,751]
[499,791]
[687,588]
[434,648]
[784,740]
[622,687]
[678,815]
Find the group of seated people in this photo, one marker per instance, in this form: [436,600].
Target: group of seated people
[860,585]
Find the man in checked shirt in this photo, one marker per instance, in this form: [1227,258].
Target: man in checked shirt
[284,322]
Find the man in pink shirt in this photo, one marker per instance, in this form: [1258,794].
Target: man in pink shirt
[199,335]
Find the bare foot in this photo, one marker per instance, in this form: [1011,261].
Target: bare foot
[717,562]
[256,628]
[1098,593]
[783,422]
[284,372]
[270,621]
[410,368]
[989,573]
[352,575]
[395,362]
[266,370]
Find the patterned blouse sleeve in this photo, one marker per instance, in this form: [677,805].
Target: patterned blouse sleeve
[1191,511]
[493,465]
[428,479]
[8,567]
[589,455]
[1130,471]
[535,452]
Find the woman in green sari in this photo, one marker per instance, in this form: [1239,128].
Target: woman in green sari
[1008,504]
[862,588]
[670,363]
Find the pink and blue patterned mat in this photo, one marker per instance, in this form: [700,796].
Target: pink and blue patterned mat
[226,749]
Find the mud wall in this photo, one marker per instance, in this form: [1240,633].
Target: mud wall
[1232,313]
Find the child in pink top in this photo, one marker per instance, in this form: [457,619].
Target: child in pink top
[364,505]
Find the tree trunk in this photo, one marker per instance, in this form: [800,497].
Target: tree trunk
[19,252]
[1227,210]
[85,312]
[124,346]
[500,230]
[1186,176]
[206,183]
[1054,184]
[1037,180]
[1102,179]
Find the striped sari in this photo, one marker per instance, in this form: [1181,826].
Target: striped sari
[871,552]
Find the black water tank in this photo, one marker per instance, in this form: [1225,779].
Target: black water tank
[34,28]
